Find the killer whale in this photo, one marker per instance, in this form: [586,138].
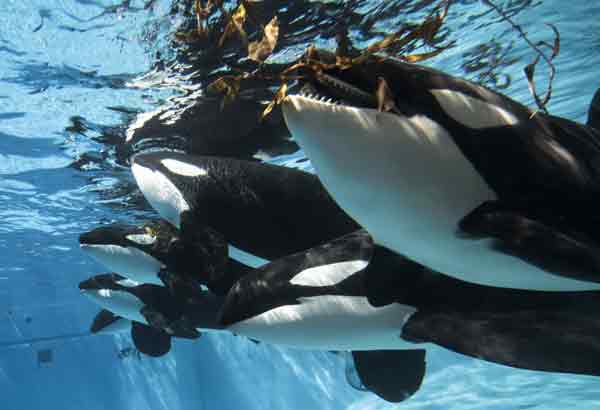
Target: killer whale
[155,253]
[266,210]
[455,176]
[199,124]
[154,313]
[350,294]
[494,324]
[157,316]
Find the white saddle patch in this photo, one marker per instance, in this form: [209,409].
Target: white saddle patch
[473,112]
[128,283]
[183,168]
[328,275]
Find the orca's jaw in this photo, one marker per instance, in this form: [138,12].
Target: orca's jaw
[160,192]
[329,133]
[128,261]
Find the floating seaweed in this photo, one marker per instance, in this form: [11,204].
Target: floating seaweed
[530,68]
[233,24]
[408,37]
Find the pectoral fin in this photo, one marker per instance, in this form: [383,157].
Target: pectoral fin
[150,341]
[561,253]
[393,375]
[104,319]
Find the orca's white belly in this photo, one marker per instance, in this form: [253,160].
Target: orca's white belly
[330,323]
[405,181]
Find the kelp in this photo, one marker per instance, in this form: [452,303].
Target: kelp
[529,69]
[228,86]
[400,45]
[259,51]
[236,25]
[408,37]
[391,46]
[279,96]
[385,98]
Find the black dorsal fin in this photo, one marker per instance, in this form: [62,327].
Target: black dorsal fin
[594,111]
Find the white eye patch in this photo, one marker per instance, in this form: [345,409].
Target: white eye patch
[472,112]
[128,283]
[105,293]
[328,275]
[142,239]
[183,168]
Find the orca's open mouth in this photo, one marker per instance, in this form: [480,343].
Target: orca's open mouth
[385,85]
[330,89]
[364,86]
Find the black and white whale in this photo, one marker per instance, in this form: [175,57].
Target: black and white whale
[200,124]
[349,294]
[266,210]
[155,253]
[154,314]
[455,176]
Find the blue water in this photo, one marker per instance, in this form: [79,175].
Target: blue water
[70,82]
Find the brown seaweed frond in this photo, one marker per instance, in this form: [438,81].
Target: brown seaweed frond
[529,70]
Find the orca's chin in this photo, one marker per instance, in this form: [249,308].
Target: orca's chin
[324,128]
